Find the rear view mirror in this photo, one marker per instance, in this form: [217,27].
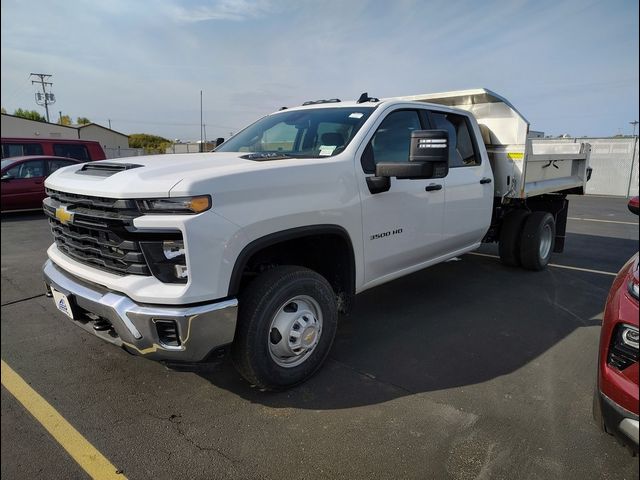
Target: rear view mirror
[6,177]
[634,205]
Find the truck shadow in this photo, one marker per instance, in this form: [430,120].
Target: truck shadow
[455,324]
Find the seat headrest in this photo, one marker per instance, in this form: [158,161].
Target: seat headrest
[332,138]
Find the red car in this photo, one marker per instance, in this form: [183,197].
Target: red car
[615,406]
[23,180]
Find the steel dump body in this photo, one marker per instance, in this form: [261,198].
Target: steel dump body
[522,167]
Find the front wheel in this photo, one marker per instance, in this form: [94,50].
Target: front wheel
[286,326]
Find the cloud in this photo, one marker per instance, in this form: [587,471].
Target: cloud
[235,10]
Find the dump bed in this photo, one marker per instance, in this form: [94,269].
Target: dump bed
[522,167]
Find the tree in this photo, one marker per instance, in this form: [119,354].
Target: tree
[29,114]
[150,143]
[82,121]
[65,120]
[4,110]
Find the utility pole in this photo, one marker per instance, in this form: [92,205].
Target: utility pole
[633,156]
[201,127]
[43,99]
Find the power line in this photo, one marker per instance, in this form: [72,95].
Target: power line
[43,99]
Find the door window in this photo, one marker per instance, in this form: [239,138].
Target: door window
[461,147]
[20,149]
[29,169]
[70,150]
[56,164]
[392,140]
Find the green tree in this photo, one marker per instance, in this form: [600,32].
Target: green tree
[82,120]
[65,120]
[150,143]
[29,114]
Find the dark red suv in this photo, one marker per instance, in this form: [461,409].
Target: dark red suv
[615,405]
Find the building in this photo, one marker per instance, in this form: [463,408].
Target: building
[115,144]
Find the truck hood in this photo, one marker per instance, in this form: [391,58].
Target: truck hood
[149,176]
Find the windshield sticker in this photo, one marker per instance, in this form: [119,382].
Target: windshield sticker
[326,150]
[356,115]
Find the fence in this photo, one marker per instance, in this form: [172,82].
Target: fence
[117,152]
[615,165]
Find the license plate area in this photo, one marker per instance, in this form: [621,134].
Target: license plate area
[62,302]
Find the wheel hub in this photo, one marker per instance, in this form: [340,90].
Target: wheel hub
[295,331]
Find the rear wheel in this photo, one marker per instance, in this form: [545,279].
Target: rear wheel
[286,325]
[509,246]
[538,237]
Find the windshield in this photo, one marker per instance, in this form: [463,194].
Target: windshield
[314,133]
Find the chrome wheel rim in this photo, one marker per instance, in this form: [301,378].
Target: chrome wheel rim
[545,241]
[295,331]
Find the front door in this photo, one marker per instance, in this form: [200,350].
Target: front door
[402,227]
[23,186]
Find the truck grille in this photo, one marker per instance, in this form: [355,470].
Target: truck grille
[100,232]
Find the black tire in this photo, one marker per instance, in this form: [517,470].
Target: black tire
[538,238]
[259,304]
[509,246]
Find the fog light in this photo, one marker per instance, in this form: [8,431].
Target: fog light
[172,249]
[182,271]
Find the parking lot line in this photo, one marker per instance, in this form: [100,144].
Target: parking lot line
[85,454]
[602,221]
[601,272]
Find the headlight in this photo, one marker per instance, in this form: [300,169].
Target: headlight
[184,205]
[167,260]
[629,336]
[633,288]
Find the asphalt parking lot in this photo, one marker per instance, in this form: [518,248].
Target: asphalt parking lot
[466,370]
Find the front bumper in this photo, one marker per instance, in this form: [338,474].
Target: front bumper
[618,421]
[200,329]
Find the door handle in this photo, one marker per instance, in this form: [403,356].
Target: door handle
[433,187]
[485,180]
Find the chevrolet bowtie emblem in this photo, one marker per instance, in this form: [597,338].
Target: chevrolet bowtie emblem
[64,215]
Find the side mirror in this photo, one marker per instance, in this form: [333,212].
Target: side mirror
[6,177]
[634,205]
[428,157]
[219,141]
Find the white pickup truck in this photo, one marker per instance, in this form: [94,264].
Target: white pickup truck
[261,243]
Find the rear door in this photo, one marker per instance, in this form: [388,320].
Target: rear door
[24,187]
[469,184]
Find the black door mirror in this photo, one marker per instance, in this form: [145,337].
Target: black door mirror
[428,157]
[6,177]
[219,141]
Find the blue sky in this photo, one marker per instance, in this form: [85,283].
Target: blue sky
[569,67]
